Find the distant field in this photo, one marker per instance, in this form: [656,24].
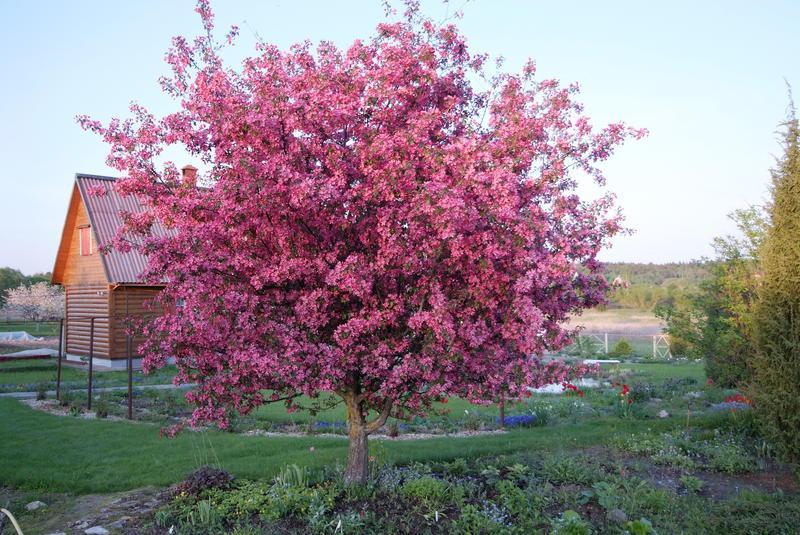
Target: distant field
[619,320]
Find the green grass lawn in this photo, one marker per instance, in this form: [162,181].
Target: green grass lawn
[34,328]
[26,375]
[41,451]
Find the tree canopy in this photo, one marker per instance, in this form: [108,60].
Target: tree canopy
[389,223]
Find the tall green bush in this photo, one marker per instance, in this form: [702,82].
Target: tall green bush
[776,384]
[714,323]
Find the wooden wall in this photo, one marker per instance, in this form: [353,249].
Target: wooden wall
[77,269]
[83,302]
[125,302]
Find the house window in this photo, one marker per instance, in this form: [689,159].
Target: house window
[85,235]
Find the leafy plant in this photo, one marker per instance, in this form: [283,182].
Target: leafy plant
[606,494]
[692,484]
[293,476]
[101,408]
[571,523]
[640,527]
[564,469]
[431,492]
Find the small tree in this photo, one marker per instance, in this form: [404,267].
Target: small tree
[376,226]
[622,348]
[715,321]
[776,385]
[36,302]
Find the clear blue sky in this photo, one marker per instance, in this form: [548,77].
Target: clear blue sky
[706,78]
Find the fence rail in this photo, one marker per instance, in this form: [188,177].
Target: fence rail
[655,345]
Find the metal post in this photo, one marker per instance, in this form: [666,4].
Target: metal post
[128,344]
[655,347]
[91,365]
[60,348]
[606,342]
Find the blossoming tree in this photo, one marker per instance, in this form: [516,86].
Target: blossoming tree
[385,224]
[39,301]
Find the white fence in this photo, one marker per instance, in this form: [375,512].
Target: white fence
[654,345]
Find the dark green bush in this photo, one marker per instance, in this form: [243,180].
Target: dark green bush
[623,348]
[776,388]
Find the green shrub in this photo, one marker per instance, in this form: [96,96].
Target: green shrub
[101,408]
[639,527]
[432,493]
[520,504]
[472,521]
[66,399]
[727,454]
[568,470]
[679,347]
[41,391]
[776,385]
[639,444]
[691,483]
[714,323]
[458,467]
[752,512]
[622,348]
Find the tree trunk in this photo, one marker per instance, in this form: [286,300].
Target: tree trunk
[502,418]
[357,471]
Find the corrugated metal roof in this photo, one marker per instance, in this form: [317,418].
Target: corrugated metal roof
[104,205]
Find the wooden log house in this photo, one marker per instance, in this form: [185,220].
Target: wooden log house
[107,286]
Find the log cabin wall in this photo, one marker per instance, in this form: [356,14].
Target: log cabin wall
[129,302]
[86,289]
[84,302]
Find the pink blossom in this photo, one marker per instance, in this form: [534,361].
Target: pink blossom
[374,225]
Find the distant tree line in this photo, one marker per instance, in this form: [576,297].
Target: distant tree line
[651,285]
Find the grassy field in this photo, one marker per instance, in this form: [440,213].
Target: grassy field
[28,375]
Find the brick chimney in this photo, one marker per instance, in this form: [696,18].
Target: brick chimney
[189,175]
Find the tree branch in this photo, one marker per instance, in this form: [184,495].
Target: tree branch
[378,422]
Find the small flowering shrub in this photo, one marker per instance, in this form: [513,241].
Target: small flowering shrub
[738,398]
[624,407]
[572,390]
[519,420]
